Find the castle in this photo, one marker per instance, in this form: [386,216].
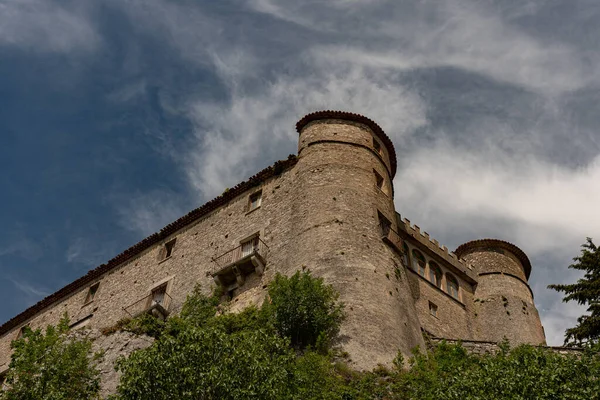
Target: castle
[329,209]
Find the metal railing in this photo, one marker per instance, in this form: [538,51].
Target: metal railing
[147,303]
[249,248]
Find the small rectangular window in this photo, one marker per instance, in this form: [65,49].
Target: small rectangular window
[169,248]
[158,294]
[384,224]
[433,309]
[378,180]
[377,146]
[21,332]
[92,293]
[255,201]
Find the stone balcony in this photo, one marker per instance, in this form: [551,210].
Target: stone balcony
[232,267]
[154,304]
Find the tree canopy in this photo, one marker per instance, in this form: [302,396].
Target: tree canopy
[585,292]
[51,366]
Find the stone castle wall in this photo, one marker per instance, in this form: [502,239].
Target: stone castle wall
[323,211]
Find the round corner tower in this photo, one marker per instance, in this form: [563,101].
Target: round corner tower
[503,299]
[343,194]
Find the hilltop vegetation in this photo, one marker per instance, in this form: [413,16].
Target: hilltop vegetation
[286,350]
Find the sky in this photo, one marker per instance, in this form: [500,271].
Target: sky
[119,116]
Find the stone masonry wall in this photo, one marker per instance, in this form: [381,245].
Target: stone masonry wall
[190,262]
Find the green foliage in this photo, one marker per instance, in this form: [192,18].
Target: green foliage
[144,324]
[48,365]
[305,310]
[525,372]
[207,363]
[586,292]
[203,354]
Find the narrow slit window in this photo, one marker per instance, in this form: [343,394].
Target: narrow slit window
[384,224]
[433,309]
[92,292]
[169,246]
[255,201]
[377,146]
[378,180]
[406,254]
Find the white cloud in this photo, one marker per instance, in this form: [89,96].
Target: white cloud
[235,138]
[146,213]
[46,26]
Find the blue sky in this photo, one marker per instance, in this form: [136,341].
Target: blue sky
[117,117]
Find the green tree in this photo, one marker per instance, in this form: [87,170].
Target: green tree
[304,309]
[51,366]
[585,292]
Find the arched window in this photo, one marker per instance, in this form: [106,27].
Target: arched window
[419,262]
[435,274]
[452,286]
[406,255]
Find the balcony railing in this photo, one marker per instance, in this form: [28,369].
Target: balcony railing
[149,304]
[230,268]
[245,250]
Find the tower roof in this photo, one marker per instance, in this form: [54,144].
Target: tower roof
[496,243]
[348,116]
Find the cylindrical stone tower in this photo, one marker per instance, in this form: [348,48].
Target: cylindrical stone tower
[503,299]
[343,184]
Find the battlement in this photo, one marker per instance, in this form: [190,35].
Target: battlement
[463,268]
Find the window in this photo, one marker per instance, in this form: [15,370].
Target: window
[255,201]
[250,246]
[406,255]
[433,309]
[435,274]
[452,286]
[378,180]
[169,246]
[92,293]
[384,224]
[419,262]
[158,295]
[22,331]
[377,146]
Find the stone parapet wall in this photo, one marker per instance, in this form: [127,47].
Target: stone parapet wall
[484,347]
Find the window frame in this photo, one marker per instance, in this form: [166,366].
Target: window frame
[251,197]
[435,274]
[91,293]
[433,309]
[169,248]
[450,281]
[377,147]
[417,265]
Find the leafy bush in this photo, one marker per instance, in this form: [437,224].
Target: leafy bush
[51,366]
[305,310]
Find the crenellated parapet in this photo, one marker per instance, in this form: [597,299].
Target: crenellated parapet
[462,268]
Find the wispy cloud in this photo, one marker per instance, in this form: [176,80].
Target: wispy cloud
[31,291]
[146,213]
[47,26]
[504,155]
